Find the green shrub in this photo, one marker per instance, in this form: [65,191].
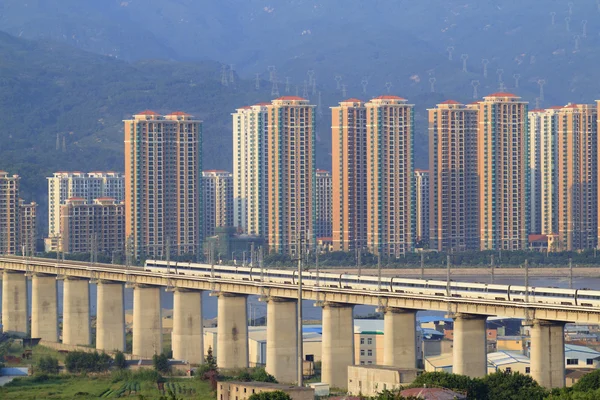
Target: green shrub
[47,365]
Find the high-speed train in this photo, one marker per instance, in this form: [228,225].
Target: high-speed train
[575,297]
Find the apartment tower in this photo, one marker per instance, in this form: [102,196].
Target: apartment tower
[503,163]
[323,198]
[291,173]
[453,177]
[349,175]
[390,176]
[250,169]
[17,219]
[218,200]
[163,164]
[577,177]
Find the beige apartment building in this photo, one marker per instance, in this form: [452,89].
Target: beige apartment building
[503,163]
[218,200]
[349,175]
[422,206]
[453,200]
[163,196]
[97,226]
[17,218]
[577,177]
[250,169]
[390,176]
[323,204]
[28,226]
[291,173]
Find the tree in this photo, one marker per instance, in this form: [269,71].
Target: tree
[120,361]
[210,360]
[514,386]
[47,365]
[161,363]
[475,388]
[275,395]
[588,382]
[260,375]
[84,362]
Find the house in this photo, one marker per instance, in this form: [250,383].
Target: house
[508,361]
[369,380]
[234,390]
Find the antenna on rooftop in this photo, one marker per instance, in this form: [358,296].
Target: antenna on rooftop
[287,84]
[576,38]
[517,77]
[500,72]
[541,83]
[305,90]
[553,16]
[231,75]
[450,50]
[485,63]
[338,80]
[224,80]
[584,28]
[570,4]
[464,58]
[388,86]
[568,22]
[475,85]
[432,84]
[275,89]
[257,81]
[364,82]
[344,91]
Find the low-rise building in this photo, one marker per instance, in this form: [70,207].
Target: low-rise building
[581,357]
[508,361]
[234,390]
[369,380]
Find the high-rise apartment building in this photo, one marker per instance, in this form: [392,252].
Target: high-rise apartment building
[218,200]
[17,219]
[250,169]
[422,205]
[577,177]
[390,176]
[90,186]
[453,177]
[536,129]
[503,164]
[323,198]
[163,196]
[349,175]
[97,226]
[291,173]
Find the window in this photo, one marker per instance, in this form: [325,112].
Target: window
[370,353]
[572,361]
[362,352]
[369,341]
[527,370]
[362,340]
[590,361]
[508,370]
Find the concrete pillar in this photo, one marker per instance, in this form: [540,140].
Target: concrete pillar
[337,344]
[187,338]
[110,317]
[282,339]
[547,354]
[232,331]
[14,303]
[44,311]
[76,312]
[470,345]
[147,321]
[400,338]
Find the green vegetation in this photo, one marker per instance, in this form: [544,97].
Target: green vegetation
[161,363]
[47,365]
[84,362]
[120,361]
[275,395]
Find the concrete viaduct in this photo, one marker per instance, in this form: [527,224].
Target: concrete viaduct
[547,339]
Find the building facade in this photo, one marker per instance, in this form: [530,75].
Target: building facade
[17,219]
[323,206]
[422,206]
[87,227]
[453,177]
[218,200]
[250,169]
[349,175]
[503,163]
[163,196]
[90,186]
[291,173]
[28,226]
[390,176]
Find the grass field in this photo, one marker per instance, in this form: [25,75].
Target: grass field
[101,387]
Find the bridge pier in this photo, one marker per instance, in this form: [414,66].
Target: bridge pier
[547,354]
[187,338]
[232,331]
[14,303]
[147,321]
[282,339]
[76,312]
[470,345]
[337,344]
[44,311]
[110,317]
[400,338]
